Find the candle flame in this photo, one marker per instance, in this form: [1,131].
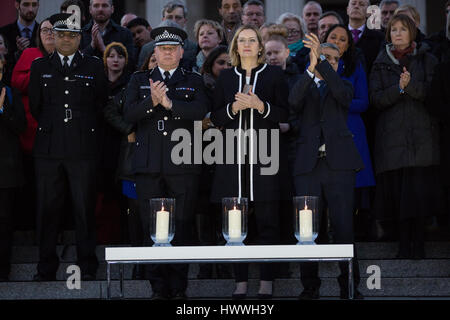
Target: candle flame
[306,207]
[234,208]
[162,208]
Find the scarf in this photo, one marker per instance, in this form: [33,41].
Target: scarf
[399,54]
[295,47]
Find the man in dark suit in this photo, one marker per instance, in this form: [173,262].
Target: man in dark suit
[102,30]
[67,92]
[21,34]
[158,102]
[369,41]
[327,158]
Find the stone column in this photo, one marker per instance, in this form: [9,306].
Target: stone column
[153,11]
[274,8]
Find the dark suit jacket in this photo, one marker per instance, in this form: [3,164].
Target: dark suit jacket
[370,43]
[12,124]
[327,114]
[52,93]
[155,124]
[10,32]
[114,32]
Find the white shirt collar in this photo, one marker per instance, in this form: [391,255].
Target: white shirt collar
[170,71]
[316,80]
[62,58]
[362,28]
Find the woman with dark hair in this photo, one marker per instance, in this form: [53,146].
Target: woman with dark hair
[115,60]
[407,135]
[20,79]
[12,123]
[150,62]
[109,218]
[351,68]
[216,61]
[7,71]
[251,95]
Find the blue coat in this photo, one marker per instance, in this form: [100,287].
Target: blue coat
[360,103]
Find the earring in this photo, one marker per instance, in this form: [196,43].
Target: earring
[259,53]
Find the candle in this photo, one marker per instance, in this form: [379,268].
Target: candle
[162,225]
[306,224]
[234,223]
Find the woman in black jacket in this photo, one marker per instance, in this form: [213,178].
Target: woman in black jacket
[407,136]
[12,124]
[263,107]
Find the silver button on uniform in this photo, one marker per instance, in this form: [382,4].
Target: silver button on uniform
[165,118]
[165,133]
[66,92]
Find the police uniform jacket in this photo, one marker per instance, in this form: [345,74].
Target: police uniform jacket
[155,124]
[243,178]
[67,106]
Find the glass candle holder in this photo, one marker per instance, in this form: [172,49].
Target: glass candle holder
[306,219]
[162,222]
[234,220]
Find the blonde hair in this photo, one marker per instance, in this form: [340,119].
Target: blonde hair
[292,17]
[411,9]
[120,49]
[233,53]
[213,24]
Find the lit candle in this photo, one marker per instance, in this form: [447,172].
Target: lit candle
[234,223]
[162,225]
[306,223]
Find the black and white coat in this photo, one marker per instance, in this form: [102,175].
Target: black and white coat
[243,178]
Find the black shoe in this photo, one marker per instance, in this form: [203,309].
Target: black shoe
[309,294]
[39,277]
[179,295]
[205,271]
[356,295]
[264,296]
[158,296]
[88,277]
[239,296]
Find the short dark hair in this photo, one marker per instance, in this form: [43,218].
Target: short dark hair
[382,3]
[20,1]
[213,55]
[332,13]
[253,3]
[406,21]
[172,5]
[138,22]
[5,41]
[219,4]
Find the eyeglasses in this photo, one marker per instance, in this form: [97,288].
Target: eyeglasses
[251,14]
[71,35]
[47,31]
[293,32]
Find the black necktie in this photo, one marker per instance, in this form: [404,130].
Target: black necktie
[66,64]
[322,87]
[27,33]
[166,76]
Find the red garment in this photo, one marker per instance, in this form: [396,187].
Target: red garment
[20,80]
[399,54]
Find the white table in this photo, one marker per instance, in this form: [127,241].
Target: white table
[227,254]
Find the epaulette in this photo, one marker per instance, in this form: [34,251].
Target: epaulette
[185,71]
[139,71]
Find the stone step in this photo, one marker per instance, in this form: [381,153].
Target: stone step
[365,250]
[388,269]
[221,289]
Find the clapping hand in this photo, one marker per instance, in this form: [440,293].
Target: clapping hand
[405,77]
[97,40]
[22,43]
[2,98]
[313,43]
[159,96]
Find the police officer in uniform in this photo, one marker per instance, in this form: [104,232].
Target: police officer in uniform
[67,91]
[159,101]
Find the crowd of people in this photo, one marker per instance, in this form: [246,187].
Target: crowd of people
[87,113]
